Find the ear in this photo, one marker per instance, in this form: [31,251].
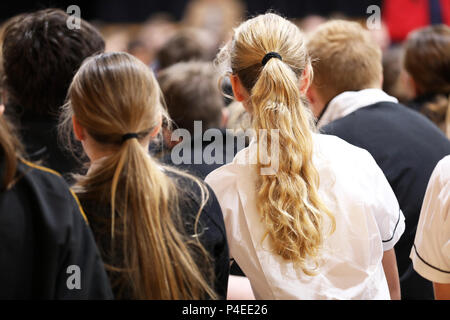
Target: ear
[316,103]
[238,89]
[225,117]
[305,81]
[156,130]
[409,82]
[167,136]
[310,94]
[78,130]
[2,109]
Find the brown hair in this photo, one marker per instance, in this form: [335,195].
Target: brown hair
[288,201]
[188,44]
[427,60]
[110,96]
[345,58]
[10,151]
[40,57]
[191,94]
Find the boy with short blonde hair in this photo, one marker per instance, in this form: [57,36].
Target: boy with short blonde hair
[338,45]
[347,99]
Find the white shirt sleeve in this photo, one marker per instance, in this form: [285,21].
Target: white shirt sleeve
[223,183]
[431,251]
[388,215]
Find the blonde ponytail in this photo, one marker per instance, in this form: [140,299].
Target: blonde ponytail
[157,257]
[288,200]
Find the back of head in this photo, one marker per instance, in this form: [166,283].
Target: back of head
[192,94]
[427,59]
[188,44]
[114,95]
[395,81]
[345,58]
[268,55]
[40,57]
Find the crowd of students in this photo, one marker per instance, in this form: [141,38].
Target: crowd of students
[353,205]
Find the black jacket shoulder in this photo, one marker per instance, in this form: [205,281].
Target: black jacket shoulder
[47,249]
[210,229]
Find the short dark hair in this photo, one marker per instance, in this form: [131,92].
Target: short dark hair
[40,57]
[192,93]
[186,45]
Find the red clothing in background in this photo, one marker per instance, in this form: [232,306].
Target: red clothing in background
[404,16]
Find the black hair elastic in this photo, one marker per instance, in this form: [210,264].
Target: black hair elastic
[129,136]
[269,56]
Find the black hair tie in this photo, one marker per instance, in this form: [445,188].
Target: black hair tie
[129,136]
[269,56]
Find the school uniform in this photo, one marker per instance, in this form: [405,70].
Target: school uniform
[39,135]
[211,230]
[368,222]
[431,251]
[201,162]
[47,250]
[406,145]
[201,169]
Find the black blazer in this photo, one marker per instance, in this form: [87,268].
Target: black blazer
[211,229]
[42,234]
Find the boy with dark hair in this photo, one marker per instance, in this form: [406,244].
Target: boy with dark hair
[193,97]
[40,57]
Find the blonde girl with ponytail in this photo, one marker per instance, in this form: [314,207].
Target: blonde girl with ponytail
[160,231]
[314,226]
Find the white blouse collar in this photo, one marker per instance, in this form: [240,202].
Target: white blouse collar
[350,101]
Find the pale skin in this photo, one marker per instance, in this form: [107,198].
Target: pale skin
[441,291]
[96,151]
[318,102]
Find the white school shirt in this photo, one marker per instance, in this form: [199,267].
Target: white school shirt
[368,222]
[350,101]
[431,251]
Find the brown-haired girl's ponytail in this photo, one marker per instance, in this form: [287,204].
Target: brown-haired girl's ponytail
[157,257]
[156,251]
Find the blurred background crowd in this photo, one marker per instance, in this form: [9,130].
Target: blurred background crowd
[162,33]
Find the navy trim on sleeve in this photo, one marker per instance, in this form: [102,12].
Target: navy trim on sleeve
[430,265]
[395,229]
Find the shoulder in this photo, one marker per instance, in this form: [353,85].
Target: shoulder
[351,167]
[337,150]
[224,179]
[192,193]
[430,251]
[438,189]
[49,188]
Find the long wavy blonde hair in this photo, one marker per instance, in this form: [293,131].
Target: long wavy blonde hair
[111,95]
[288,201]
